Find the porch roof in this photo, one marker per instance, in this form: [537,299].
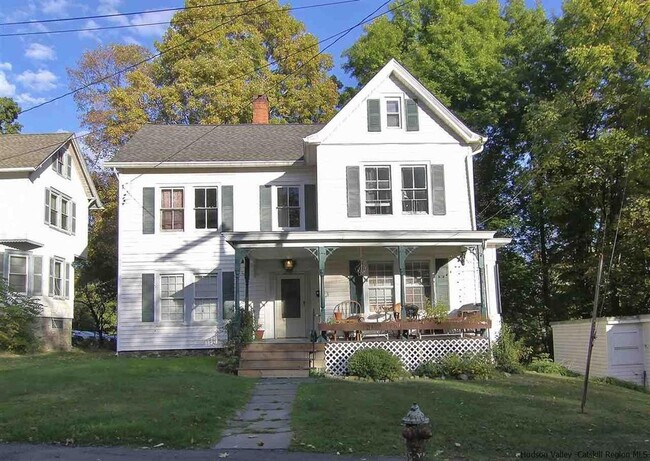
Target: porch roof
[352,238]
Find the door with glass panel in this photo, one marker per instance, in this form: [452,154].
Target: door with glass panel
[290,318]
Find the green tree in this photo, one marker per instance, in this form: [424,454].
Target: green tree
[96,276]
[9,111]
[18,315]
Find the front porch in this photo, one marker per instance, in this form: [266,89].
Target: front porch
[294,281]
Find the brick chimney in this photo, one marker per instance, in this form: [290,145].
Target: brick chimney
[261,110]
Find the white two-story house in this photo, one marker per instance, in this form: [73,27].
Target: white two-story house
[376,206]
[46,192]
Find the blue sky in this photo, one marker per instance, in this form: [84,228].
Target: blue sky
[33,68]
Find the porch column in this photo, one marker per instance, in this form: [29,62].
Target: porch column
[480,252]
[321,254]
[401,261]
[240,255]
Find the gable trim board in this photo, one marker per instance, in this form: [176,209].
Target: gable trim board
[424,97]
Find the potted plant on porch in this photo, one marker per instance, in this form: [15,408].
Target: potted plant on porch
[259,331]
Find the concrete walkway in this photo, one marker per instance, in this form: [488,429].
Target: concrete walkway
[265,423]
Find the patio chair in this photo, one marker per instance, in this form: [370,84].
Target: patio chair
[349,310]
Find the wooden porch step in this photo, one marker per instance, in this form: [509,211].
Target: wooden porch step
[264,346]
[274,355]
[295,364]
[276,373]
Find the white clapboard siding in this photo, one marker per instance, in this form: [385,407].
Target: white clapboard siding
[570,340]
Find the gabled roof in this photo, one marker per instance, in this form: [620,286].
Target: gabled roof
[176,145]
[28,151]
[424,96]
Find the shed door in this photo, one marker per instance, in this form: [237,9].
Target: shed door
[626,353]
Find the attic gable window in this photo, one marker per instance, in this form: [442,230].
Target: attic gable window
[62,163]
[172,208]
[393,113]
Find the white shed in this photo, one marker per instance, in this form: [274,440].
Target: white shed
[621,348]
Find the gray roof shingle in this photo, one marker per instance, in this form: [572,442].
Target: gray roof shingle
[208,143]
[28,150]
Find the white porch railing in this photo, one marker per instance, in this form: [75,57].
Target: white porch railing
[412,353]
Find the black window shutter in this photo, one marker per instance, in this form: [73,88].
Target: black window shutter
[442,282]
[353,191]
[148,210]
[228,294]
[412,122]
[356,283]
[374,115]
[147,297]
[227,209]
[311,208]
[265,208]
[438,189]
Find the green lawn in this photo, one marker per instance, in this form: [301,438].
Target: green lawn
[493,419]
[100,399]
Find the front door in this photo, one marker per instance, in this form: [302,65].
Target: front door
[290,307]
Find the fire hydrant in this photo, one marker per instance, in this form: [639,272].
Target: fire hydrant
[416,432]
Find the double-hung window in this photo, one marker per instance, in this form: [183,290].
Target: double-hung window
[59,278]
[60,211]
[206,210]
[172,209]
[172,297]
[417,283]
[381,285]
[393,113]
[62,163]
[18,273]
[378,190]
[288,206]
[205,298]
[415,194]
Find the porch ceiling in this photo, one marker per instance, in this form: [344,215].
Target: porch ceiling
[356,238]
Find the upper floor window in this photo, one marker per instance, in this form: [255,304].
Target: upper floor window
[60,211]
[393,113]
[415,194]
[18,273]
[172,209]
[378,190]
[171,297]
[288,206]
[62,163]
[206,208]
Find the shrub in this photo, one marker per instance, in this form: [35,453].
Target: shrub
[544,364]
[374,363]
[509,352]
[17,321]
[472,365]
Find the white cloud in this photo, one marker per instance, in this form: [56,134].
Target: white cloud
[28,99]
[152,31]
[40,52]
[57,7]
[7,89]
[129,40]
[41,80]
[110,7]
[91,34]
[5,66]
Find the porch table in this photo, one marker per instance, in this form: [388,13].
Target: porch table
[450,324]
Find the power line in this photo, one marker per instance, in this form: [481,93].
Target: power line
[113,15]
[139,63]
[510,202]
[148,24]
[78,137]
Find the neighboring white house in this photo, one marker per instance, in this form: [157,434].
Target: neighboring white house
[376,206]
[621,348]
[46,193]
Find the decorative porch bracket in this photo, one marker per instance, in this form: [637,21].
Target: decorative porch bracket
[480,252]
[240,255]
[321,254]
[401,253]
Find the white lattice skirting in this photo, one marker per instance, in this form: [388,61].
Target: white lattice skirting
[412,353]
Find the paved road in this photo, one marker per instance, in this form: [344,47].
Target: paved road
[23,452]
